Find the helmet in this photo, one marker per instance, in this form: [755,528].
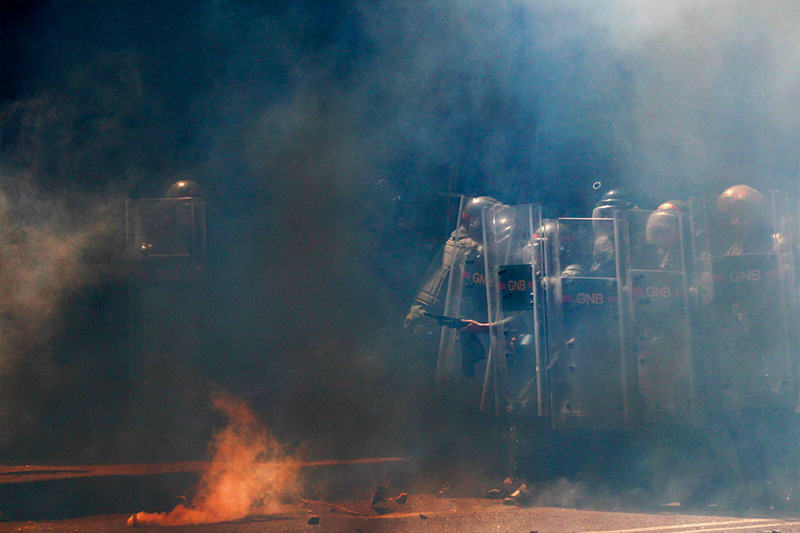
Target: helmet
[471,215]
[547,230]
[741,200]
[676,206]
[613,199]
[503,222]
[747,215]
[662,227]
[185,189]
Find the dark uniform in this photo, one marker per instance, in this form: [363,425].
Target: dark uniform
[456,287]
[746,267]
[166,242]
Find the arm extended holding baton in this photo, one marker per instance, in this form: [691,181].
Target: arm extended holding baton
[465,324]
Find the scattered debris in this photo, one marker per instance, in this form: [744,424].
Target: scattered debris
[402,498]
[504,490]
[522,495]
[313,520]
[423,517]
[378,496]
[334,507]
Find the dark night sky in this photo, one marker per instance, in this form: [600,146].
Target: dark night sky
[325,135]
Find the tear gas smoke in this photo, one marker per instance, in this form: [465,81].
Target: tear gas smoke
[50,249]
[249,470]
[290,116]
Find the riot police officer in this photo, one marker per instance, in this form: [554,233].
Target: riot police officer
[749,332]
[746,212]
[456,287]
[663,231]
[603,255]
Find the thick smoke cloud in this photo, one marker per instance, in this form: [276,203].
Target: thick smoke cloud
[327,136]
[714,101]
[48,257]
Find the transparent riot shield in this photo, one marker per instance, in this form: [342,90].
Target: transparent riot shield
[461,362]
[661,332]
[746,279]
[166,229]
[512,380]
[588,368]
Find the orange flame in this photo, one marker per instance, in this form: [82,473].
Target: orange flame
[250,469]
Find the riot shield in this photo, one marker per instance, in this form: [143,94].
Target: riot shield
[661,333]
[512,381]
[166,229]
[746,279]
[461,362]
[588,367]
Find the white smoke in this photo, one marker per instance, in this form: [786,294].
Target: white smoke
[715,98]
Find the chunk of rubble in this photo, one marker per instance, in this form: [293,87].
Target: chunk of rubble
[402,498]
[504,489]
[313,520]
[522,496]
[378,496]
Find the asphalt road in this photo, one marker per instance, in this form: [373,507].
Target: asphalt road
[102,497]
[423,513]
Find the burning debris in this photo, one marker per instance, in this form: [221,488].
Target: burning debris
[249,470]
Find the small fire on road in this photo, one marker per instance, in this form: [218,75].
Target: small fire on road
[249,469]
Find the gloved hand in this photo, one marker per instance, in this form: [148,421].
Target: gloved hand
[415,314]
